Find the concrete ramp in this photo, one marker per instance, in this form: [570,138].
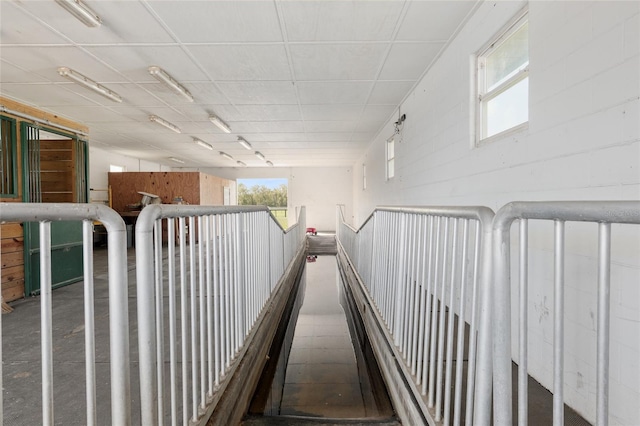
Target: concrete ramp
[310,421]
[322,245]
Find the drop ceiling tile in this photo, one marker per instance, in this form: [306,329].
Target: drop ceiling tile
[133,61]
[259,92]
[220,21]
[329,137]
[433,20]
[45,60]
[284,137]
[10,73]
[338,92]
[269,112]
[243,61]
[19,26]
[336,20]
[408,61]
[363,137]
[45,95]
[331,112]
[198,112]
[337,61]
[390,92]
[90,114]
[206,93]
[374,117]
[278,126]
[329,126]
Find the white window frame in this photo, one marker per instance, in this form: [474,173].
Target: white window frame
[483,95]
[390,161]
[364,176]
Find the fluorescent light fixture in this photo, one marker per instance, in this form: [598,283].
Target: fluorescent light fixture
[221,124]
[177,160]
[225,155]
[240,163]
[88,83]
[260,156]
[163,77]
[81,11]
[164,123]
[269,163]
[203,144]
[242,141]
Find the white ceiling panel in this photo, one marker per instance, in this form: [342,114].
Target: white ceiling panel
[259,92]
[390,92]
[433,20]
[329,137]
[9,73]
[243,62]
[331,112]
[46,60]
[337,61]
[220,21]
[335,92]
[44,95]
[408,61]
[278,126]
[133,61]
[18,26]
[269,112]
[310,83]
[347,20]
[329,126]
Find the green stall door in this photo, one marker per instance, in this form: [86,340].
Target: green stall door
[66,254]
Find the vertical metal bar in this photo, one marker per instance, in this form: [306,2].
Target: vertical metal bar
[417,315]
[523,347]
[449,348]
[434,317]
[45,323]
[193,318]
[171,272]
[441,321]
[210,322]
[473,328]
[424,310]
[558,330]
[184,337]
[89,325]
[604,277]
[216,299]
[227,291]
[457,409]
[202,260]
[159,286]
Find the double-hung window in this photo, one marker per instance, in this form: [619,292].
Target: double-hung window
[503,82]
[390,148]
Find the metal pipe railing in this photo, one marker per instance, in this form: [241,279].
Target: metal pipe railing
[424,269]
[118,302]
[604,213]
[228,263]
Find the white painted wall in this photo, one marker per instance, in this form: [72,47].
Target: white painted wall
[320,189]
[99,163]
[583,142]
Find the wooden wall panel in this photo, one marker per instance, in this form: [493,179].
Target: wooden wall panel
[167,185]
[212,190]
[12,259]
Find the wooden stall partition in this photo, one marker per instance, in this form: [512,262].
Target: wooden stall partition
[12,234]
